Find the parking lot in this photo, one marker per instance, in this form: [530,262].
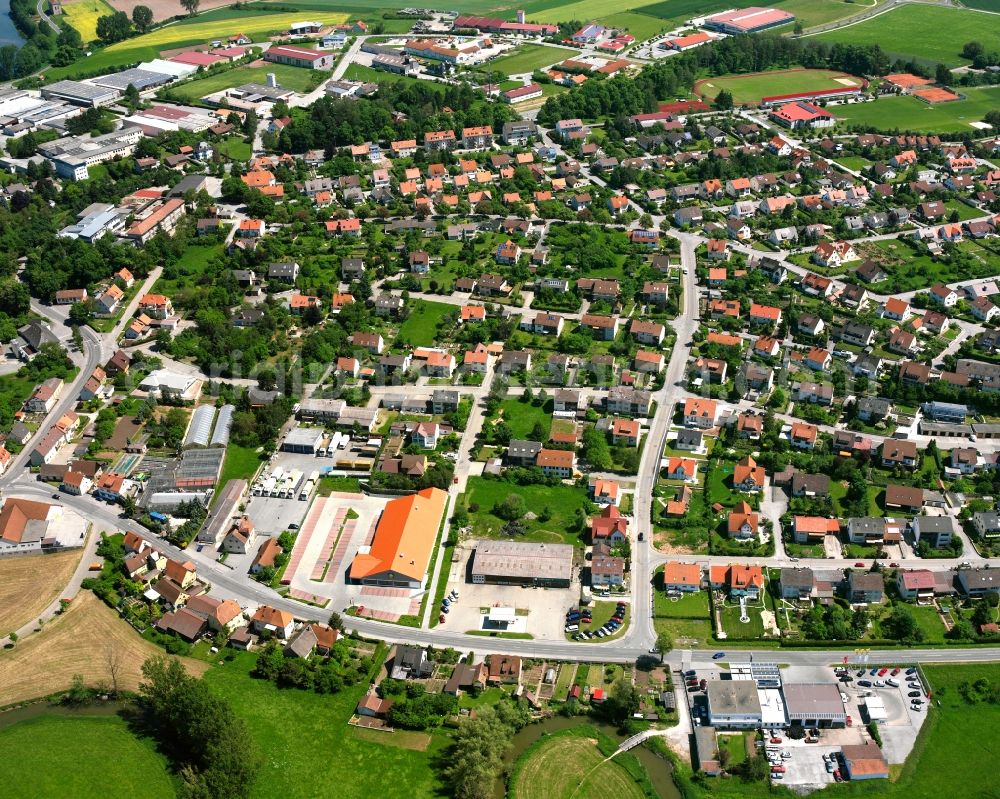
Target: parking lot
[802,758]
[272,515]
[547,606]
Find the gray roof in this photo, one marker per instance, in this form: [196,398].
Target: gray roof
[799,577]
[733,696]
[813,701]
[521,448]
[935,524]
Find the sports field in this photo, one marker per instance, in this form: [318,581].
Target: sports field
[529,57]
[86,757]
[571,765]
[808,12]
[911,114]
[83,14]
[748,89]
[931,33]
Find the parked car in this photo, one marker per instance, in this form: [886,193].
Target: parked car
[895,671]
[865,683]
[778,769]
[776,740]
[441,619]
[916,701]
[914,694]
[892,682]
[874,671]
[836,776]
[859,565]
[911,670]
[883,672]
[917,708]
[690,673]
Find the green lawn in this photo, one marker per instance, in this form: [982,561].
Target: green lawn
[530,57]
[909,113]
[329,484]
[737,629]
[235,148]
[308,747]
[687,633]
[361,72]
[299,80]
[84,757]
[420,327]
[561,502]
[522,417]
[189,272]
[691,605]
[749,89]
[240,462]
[932,33]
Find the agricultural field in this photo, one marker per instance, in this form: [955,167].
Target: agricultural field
[554,770]
[808,12]
[289,77]
[77,642]
[916,116]
[929,33]
[83,14]
[183,34]
[642,26]
[749,89]
[559,502]
[529,57]
[29,584]
[86,757]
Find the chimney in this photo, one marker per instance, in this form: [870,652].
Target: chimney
[520,16]
[272,80]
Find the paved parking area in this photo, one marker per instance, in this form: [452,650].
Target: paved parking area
[273,516]
[546,606]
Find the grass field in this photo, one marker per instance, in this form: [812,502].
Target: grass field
[86,757]
[931,33]
[301,735]
[363,73]
[29,584]
[77,642]
[529,57]
[420,327]
[911,114]
[748,89]
[561,501]
[289,77]
[521,417]
[642,26]
[239,462]
[571,765]
[83,14]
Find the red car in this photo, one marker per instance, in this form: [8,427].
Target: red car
[850,721]
[441,618]
[859,565]
[776,740]
[883,672]
[836,776]
[778,769]
[895,671]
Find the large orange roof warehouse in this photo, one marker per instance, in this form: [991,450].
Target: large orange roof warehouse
[405,536]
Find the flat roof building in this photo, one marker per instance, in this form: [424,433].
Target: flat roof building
[78,93]
[815,705]
[516,563]
[733,704]
[303,439]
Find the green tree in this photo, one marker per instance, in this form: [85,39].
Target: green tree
[664,643]
[142,18]
[191,6]
[724,100]
[942,74]
[114,27]
[510,509]
[902,625]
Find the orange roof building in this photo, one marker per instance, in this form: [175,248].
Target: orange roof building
[404,539]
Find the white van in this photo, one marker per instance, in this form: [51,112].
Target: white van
[572,628]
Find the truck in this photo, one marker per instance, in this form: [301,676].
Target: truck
[156,516]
